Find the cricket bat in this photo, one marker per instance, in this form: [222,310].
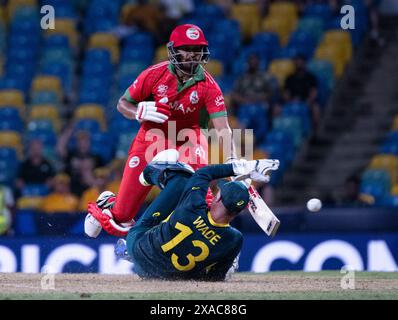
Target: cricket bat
[262,214]
[259,210]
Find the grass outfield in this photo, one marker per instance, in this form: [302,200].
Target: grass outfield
[269,286]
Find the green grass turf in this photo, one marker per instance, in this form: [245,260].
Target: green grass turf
[292,295]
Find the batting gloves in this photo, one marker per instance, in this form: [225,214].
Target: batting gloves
[153,111]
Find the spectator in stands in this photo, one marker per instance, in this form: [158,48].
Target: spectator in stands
[99,183]
[6,209]
[36,169]
[60,200]
[146,16]
[302,86]
[254,86]
[79,162]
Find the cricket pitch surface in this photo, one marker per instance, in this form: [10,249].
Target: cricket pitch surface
[264,286]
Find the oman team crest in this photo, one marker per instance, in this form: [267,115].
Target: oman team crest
[162,90]
[194,98]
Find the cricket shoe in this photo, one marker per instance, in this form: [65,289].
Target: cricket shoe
[105,202]
[121,250]
[92,227]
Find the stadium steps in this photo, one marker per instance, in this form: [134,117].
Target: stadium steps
[356,120]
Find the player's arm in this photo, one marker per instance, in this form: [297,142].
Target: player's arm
[133,104]
[215,106]
[127,108]
[224,134]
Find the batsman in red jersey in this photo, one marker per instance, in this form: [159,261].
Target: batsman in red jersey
[173,95]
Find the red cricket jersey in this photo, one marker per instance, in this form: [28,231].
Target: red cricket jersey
[191,104]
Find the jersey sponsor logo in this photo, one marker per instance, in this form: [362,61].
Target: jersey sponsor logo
[193,97]
[134,162]
[162,90]
[219,101]
[179,106]
[192,33]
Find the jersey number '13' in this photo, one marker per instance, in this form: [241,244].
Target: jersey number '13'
[185,231]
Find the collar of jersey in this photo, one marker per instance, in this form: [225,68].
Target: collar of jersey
[198,76]
[215,224]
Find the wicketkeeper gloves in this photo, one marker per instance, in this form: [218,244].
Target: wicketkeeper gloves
[255,169]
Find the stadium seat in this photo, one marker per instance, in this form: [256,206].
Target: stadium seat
[40,97]
[12,97]
[11,139]
[313,25]
[46,112]
[91,111]
[291,125]
[215,68]
[47,83]
[281,69]
[248,16]
[283,9]
[40,126]
[282,27]
[395,124]
[107,41]
[11,119]
[334,54]
[387,162]
[160,54]
[13,6]
[67,27]
[339,38]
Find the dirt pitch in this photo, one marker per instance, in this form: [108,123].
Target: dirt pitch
[274,285]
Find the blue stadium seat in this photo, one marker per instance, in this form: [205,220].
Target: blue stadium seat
[137,54]
[389,148]
[301,110]
[35,190]
[40,126]
[89,125]
[44,97]
[97,70]
[61,70]
[318,10]
[392,137]
[56,41]
[48,138]
[254,116]
[290,124]
[99,56]
[14,83]
[211,11]
[313,25]
[99,97]
[102,145]
[141,40]
[8,154]
[8,171]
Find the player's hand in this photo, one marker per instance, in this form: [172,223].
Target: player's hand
[107,222]
[254,168]
[153,111]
